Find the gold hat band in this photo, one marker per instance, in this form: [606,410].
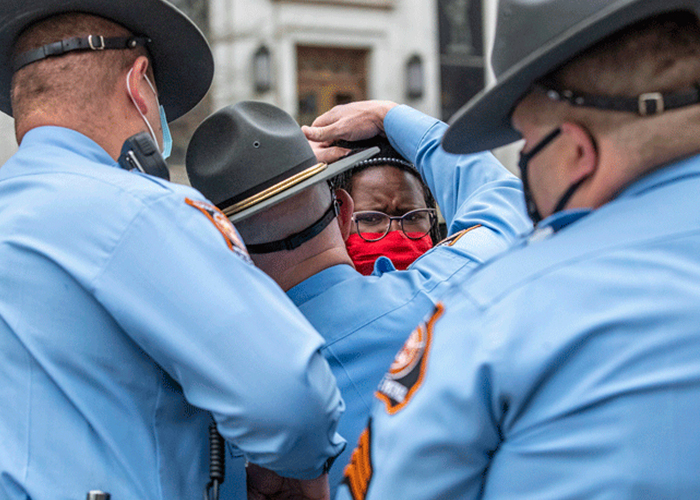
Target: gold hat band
[276,189]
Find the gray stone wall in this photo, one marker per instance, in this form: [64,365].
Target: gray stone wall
[8,144]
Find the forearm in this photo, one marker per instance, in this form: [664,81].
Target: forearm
[230,338]
[469,189]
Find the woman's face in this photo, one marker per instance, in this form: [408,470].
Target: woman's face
[387,189]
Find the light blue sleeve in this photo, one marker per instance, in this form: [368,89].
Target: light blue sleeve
[469,189]
[227,334]
[435,444]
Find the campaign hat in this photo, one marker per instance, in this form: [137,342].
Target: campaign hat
[251,155]
[182,60]
[533,38]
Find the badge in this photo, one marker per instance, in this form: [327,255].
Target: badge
[358,472]
[451,240]
[223,225]
[406,373]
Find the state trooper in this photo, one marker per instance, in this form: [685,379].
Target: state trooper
[568,366]
[255,163]
[130,310]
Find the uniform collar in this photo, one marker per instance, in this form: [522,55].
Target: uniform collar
[319,282]
[66,139]
[670,173]
[556,222]
[383,265]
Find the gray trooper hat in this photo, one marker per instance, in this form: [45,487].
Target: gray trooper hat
[182,60]
[249,156]
[533,38]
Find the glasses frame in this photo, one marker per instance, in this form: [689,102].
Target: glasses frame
[432,213]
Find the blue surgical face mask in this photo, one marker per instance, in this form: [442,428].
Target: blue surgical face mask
[167,138]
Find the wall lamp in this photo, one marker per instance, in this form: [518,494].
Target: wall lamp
[415,85]
[262,69]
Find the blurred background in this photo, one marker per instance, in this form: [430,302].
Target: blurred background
[306,56]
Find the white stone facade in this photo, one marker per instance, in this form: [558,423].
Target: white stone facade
[391,30]
[8,144]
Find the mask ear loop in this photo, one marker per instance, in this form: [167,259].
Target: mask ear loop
[167,138]
[128,88]
[574,187]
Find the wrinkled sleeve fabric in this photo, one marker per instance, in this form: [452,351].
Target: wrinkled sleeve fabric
[227,334]
[469,189]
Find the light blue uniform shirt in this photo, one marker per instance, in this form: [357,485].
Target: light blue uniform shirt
[124,315]
[566,368]
[366,319]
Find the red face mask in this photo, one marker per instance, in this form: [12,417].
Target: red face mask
[395,245]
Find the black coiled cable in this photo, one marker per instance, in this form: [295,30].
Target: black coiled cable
[217,463]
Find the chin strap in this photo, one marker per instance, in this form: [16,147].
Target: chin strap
[297,239]
[90,42]
[647,104]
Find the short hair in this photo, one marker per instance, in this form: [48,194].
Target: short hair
[656,54]
[80,79]
[387,156]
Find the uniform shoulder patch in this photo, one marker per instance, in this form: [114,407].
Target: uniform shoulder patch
[358,473]
[223,225]
[451,240]
[406,373]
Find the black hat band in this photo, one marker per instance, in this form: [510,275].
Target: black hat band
[90,42]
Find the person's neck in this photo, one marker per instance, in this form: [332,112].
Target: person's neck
[107,131]
[288,271]
[623,170]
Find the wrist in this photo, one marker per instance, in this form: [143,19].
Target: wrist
[381,111]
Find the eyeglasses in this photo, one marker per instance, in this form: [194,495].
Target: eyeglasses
[373,226]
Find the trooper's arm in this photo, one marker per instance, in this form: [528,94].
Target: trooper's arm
[470,189]
[226,333]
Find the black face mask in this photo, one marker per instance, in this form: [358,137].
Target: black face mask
[530,204]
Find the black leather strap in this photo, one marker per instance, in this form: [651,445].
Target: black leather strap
[650,103]
[91,42]
[297,239]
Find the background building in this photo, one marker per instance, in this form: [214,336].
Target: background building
[306,56]
[8,144]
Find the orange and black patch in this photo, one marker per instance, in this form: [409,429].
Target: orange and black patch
[223,225]
[406,373]
[451,240]
[358,472]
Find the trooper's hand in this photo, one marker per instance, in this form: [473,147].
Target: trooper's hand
[264,484]
[328,154]
[351,122]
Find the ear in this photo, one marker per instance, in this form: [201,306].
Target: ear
[137,85]
[347,207]
[583,160]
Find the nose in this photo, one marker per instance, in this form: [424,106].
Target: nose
[395,225]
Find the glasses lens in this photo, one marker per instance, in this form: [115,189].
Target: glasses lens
[417,223]
[372,226]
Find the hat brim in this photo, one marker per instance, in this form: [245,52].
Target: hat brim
[329,172]
[182,60]
[484,122]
